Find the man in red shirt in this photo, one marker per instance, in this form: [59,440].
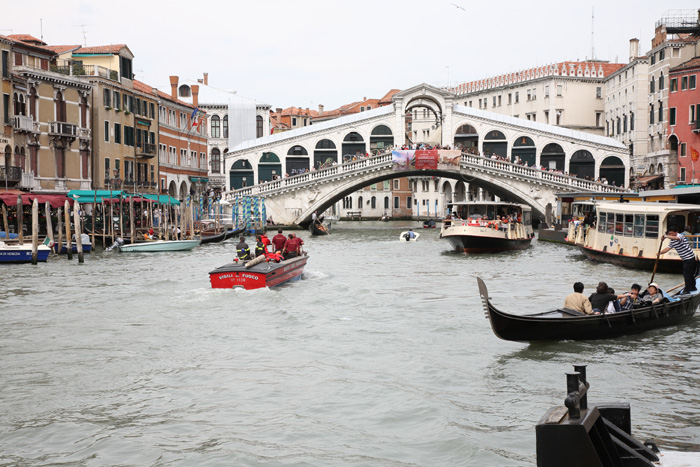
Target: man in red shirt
[279,241]
[293,246]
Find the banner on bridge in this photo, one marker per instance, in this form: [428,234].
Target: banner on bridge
[424,159]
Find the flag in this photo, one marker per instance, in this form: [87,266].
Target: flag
[694,154]
[193,117]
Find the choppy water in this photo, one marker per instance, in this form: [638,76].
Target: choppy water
[380,356]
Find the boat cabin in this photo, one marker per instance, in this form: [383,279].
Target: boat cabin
[483,211]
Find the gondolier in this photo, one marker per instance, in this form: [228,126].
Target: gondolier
[682,247]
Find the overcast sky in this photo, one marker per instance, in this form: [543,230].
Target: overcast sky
[309,52]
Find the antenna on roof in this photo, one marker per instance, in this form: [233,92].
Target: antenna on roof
[592,33]
[41,29]
[84,32]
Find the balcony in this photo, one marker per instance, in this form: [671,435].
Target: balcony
[23,124]
[145,150]
[70,69]
[10,175]
[63,129]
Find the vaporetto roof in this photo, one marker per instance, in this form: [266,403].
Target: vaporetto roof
[645,207]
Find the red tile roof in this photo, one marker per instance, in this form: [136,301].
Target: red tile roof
[59,49]
[27,38]
[690,64]
[387,97]
[143,87]
[101,49]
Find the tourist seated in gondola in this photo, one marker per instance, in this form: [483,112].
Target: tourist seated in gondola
[613,305]
[243,250]
[577,301]
[602,297]
[631,299]
[652,295]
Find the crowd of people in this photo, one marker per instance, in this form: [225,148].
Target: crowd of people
[278,249]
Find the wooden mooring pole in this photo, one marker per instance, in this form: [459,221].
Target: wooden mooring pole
[78,231]
[69,246]
[35,232]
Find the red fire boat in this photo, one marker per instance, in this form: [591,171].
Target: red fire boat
[257,273]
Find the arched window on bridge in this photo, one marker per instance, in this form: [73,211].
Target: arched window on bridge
[353,145]
[241,174]
[297,160]
[381,138]
[613,170]
[552,157]
[325,154]
[269,167]
[524,151]
[467,139]
[582,165]
[215,127]
[259,126]
[495,143]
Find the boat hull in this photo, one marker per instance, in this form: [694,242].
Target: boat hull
[674,266]
[560,325]
[159,245]
[264,274]
[22,253]
[87,248]
[486,243]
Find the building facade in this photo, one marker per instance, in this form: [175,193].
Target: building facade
[683,122]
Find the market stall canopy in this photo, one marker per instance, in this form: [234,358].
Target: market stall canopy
[162,199]
[10,198]
[646,180]
[88,196]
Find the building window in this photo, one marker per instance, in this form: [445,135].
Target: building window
[652,85]
[409,202]
[107,173]
[691,114]
[294,121]
[225,126]
[494,101]
[5,63]
[107,97]
[106,131]
[661,81]
[682,151]
[215,127]
[215,161]
[510,98]
[546,91]
[599,92]
[684,83]
[661,112]
[673,86]
[598,118]
[396,202]
[396,184]
[631,121]
[651,114]
[117,133]
[517,97]
[681,176]
[672,116]
[691,82]
[560,90]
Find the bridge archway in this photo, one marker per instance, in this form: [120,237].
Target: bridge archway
[495,143]
[381,138]
[524,150]
[353,145]
[613,170]
[297,160]
[325,153]
[269,166]
[467,137]
[424,127]
[553,157]
[241,174]
[582,165]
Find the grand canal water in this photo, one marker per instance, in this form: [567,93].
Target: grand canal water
[380,356]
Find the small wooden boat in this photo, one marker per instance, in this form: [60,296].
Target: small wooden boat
[158,245]
[318,228]
[234,232]
[22,253]
[565,324]
[257,273]
[406,237]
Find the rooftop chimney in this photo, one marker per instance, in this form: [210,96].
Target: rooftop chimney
[206,79]
[173,86]
[195,95]
[634,49]
[320,109]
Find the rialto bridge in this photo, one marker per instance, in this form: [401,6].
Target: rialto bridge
[311,168]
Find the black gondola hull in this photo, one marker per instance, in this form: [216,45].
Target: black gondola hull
[550,327]
[674,266]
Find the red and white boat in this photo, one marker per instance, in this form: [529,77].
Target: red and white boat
[257,273]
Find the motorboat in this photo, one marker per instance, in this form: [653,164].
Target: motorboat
[488,226]
[429,224]
[406,237]
[13,253]
[157,246]
[257,273]
[85,243]
[565,324]
[630,234]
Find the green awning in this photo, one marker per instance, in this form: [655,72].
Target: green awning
[162,199]
[88,196]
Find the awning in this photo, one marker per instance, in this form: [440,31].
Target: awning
[162,199]
[10,199]
[647,180]
[88,196]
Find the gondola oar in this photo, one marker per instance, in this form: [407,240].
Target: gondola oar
[656,263]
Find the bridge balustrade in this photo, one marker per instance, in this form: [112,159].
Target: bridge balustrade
[385,160]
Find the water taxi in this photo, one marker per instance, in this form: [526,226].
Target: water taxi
[257,273]
[488,226]
[629,234]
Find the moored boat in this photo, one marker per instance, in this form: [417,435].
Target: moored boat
[565,324]
[256,274]
[630,234]
[85,243]
[488,226]
[429,224]
[22,253]
[158,245]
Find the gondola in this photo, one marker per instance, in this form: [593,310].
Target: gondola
[234,232]
[564,324]
[318,228]
[213,237]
